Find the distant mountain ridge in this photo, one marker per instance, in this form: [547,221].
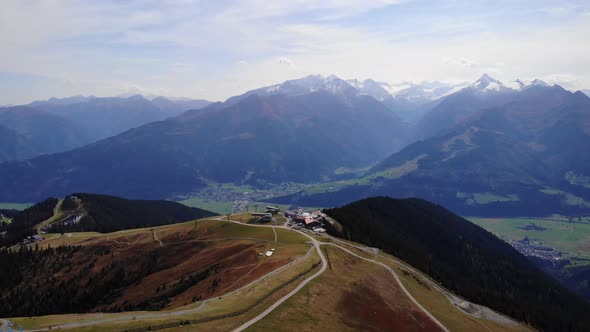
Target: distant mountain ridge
[109,116]
[302,86]
[58,125]
[484,93]
[527,156]
[410,101]
[487,145]
[407,100]
[43,132]
[251,140]
[13,145]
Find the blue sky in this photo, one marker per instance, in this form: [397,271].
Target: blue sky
[215,49]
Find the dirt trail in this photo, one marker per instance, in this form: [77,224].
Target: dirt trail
[56,214]
[316,244]
[263,314]
[469,308]
[155,236]
[152,315]
[388,268]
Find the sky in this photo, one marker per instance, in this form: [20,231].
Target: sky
[217,49]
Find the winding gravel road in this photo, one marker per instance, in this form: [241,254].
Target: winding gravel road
[263,314]
[388,268]
[316,245]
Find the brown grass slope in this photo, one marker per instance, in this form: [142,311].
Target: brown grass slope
[147,269]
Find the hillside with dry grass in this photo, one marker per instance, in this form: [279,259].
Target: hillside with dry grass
[213,275]
[147,269]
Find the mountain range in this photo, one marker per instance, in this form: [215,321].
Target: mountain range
[13,145]
[482,149]
[408,100]
[57,125]
[253,140]
[523,154]
[486,148]
[485,93]
[40,132]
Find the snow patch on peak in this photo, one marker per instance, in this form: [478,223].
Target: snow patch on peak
[515,85]
[493,86]
[356,83]
[394,89]
[524,84]
[485,80]
[273,88]
[538,82]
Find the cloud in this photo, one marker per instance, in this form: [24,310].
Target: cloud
[128,88]
[193,48]
[323,10]
[462,62]
[558,11]
[286,61]
[568,81]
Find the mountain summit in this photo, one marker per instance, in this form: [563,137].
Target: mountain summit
[302,86]
[487,83]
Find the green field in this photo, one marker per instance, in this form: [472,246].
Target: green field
[572,238]
[486,198]
[213,206]
[567,198]
[291,237]
[14,206]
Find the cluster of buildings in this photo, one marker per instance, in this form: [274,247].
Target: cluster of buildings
[531,249]
[263,217]
[311,220]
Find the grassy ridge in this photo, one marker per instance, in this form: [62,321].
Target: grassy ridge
[108,213]
[464,258]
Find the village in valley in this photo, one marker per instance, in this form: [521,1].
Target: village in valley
[544,252]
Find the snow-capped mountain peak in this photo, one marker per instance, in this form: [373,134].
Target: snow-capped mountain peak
[302,86]
[377,90]
[486,82]
[525,84]
[415,92]
[403,92]
[299,86]
[538,82]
